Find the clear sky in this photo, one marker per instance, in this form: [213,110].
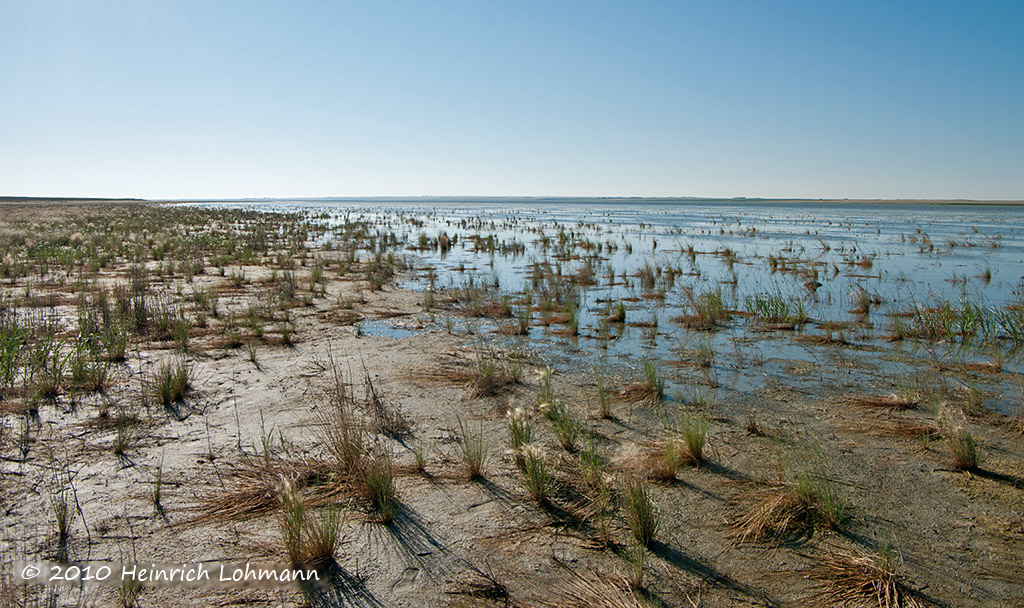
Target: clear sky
[217,98]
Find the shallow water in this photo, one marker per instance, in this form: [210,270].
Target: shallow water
[901,256]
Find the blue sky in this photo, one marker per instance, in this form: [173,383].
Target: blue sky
[212,98]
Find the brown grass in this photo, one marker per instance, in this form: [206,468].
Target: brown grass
[896,429]
[483,378]
[343,317]
[984,367]
[858,579]
[820,339]
[638,391]
[767,512]
[892,401]
[1017,421]
[254,489]
[595,591]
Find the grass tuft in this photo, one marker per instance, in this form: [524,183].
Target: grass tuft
[378,484]
[564,423]
[694,432]
[809,500]
[473,450]
[640,512]
[520,430]
[535,474]
[171,382]
[963,449]
[861,579]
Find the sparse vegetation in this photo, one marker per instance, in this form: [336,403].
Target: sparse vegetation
[641,515]
[565,424]
[108,310]
[535,473]
[861,579]
[171,382]
[963,449]
[806,500]
[473,450]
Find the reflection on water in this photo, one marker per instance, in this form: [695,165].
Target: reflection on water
[849,269]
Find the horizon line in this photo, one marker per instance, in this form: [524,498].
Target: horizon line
[465,197]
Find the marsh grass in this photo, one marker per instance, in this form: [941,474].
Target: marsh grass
[520,428]
[617,315]
[654,385]
[805,500]
[636,557]
[339,430]
[640,513]
[127,593]
[963,449]
[863,579]
[171,382]
[604,406]
[694,432]
[666,460]
[386,416]
[565,424]
[421,451]
[593,465]
[536,476]
[472,449]
[307,539]
[489,377]
[704,356]
[62,503]
[573,320]
[707,311]
[377,480]
[773,311]
[157,492]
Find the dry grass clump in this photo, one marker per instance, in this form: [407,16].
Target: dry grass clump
[386,416]
[342,435]
[664,462]
[254,489]
[489,376]
[809,501]
[357,463]
[859,579]
[963,449]
[904,400]
[707,311]
[596,591]
[826,338]
[486,377]
[685,446]
[1017,421]
[896,429]
[650,391]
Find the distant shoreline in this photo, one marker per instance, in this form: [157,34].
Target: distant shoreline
[7,200]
